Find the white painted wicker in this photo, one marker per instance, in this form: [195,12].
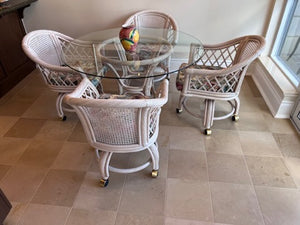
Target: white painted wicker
[119,125]
[218,75]
[160,20]
[47,49]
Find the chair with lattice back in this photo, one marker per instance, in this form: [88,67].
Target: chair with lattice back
[49,49]
[217,75]
[119,124]
[157,20]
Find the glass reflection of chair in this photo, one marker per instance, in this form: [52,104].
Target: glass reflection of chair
[47,49]
[218,75]
[119,125]
[157,20]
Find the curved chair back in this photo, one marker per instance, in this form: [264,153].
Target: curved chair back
[118,125]
[155,19]
[47,49]
[218,75]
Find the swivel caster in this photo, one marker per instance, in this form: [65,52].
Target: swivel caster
[63,118]
[104,183]
[235,118]
[207,132]
[154,173]
[179,111]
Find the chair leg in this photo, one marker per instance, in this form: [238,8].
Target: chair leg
[179,108]
[59,108]
[153,150]
[208,115]
[103,163]
[235,116]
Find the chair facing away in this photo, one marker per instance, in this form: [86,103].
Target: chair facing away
[218,75]
[46,48]
[158,20]
[119,125]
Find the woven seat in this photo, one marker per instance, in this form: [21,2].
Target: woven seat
[158,20]
[217,75]
[119,125]
[47,49]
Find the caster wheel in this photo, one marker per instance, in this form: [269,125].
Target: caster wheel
[154,173]
[179,111]
[207,132]
[104,183]
[63,118]
[235,118]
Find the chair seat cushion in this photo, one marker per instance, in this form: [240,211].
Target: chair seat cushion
[180,74]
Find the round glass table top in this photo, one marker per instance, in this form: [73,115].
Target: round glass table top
[167,49]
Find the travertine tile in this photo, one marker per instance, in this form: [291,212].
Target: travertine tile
[11,149]
[187,199]
[288,144]
[227,168]
[251,121]
[78,134]
[6,122]
[143,195]
[277,125]
[235,204]
[269,171]
[173,221]
[15,213]
[293,164]
[91,217]
[74,156]
[56,130]
[134,219]
[223,142]
[3,170]
[14,108]
[91,196]
[280,206]
[258,143]
[40,153]
[36,214]
[186,138]
[25,128]
[59,187]
[20,183]
[44,107]
[187,165]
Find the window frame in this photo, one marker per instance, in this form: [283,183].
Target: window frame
[279,41]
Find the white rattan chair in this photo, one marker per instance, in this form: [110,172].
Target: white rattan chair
[119,125]
[46,48]
[156,19]
[218,75]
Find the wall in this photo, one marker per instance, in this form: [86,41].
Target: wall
[211,21]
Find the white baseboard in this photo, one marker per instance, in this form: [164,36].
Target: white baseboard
[279,94]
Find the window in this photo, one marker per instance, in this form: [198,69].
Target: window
[286,51]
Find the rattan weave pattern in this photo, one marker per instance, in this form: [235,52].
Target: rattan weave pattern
[218,75]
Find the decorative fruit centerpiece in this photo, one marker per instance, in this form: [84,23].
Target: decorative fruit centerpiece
[129,37]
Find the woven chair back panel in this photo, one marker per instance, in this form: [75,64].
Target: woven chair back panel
[160,21]
[45,49]
[249,50]
[154,118]
[223,57]
[60,79]
[80,55]
[222,84]
[114,126]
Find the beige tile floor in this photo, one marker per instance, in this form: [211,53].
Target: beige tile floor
[246,173]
